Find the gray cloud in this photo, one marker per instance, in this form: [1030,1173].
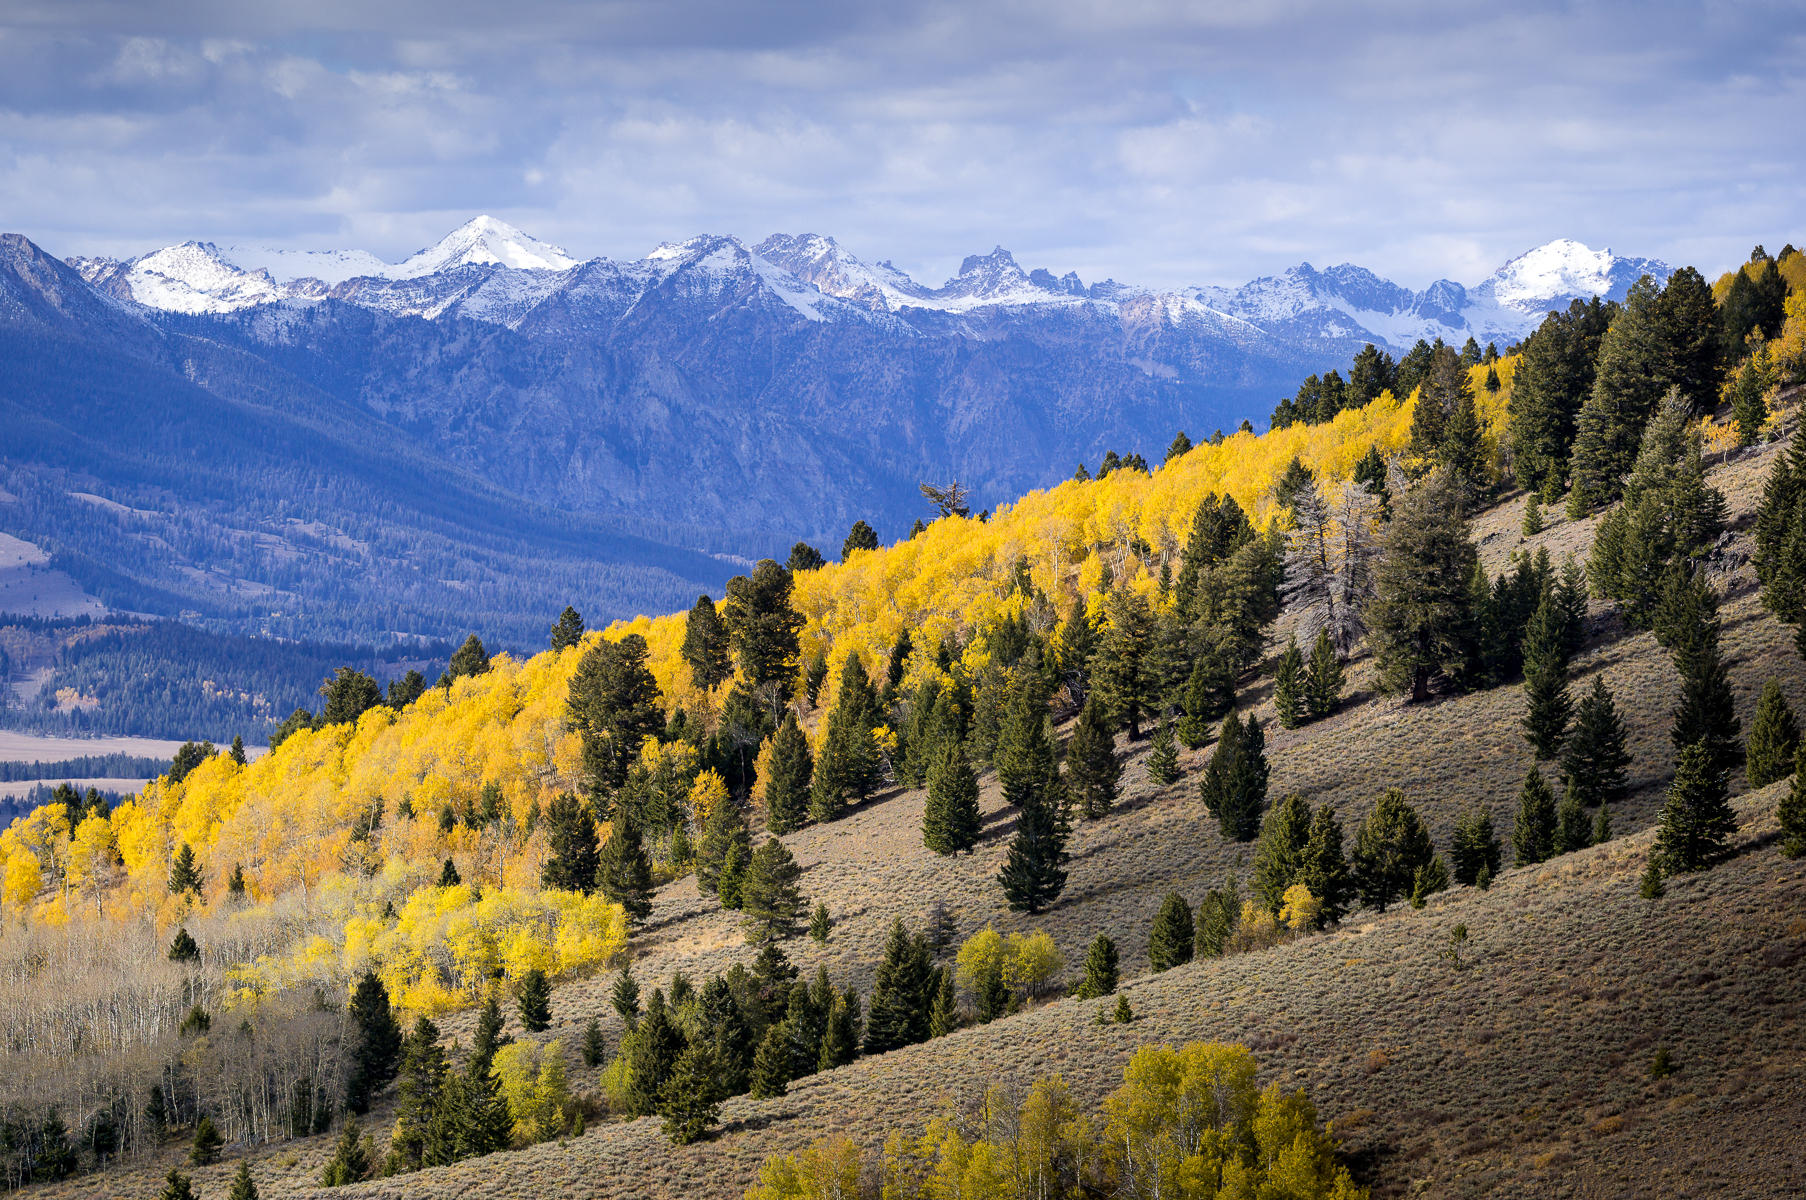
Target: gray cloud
[1157,142]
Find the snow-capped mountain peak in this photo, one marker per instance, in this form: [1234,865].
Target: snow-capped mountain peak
[483,241]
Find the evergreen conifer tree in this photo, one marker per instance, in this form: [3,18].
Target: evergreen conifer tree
[183,948]
[1033,873]
[1235,780]
[571,853]
[595,1047]
[705,645]
[1707,712]
[1428,879]
[1780,538]
[350,1160]
[1163,754]
[652,1051]
[567,631]
[420,1135]
[1774,738]
[1092,770]
[1547,706]
[375,1042]
[1423,623]
[1627,384]
[623,872]
[1279,855]
[489,1036]
[860,537]
[205,1147]
[1533,516]
[726,832]
[1573,831]
[849,762]
[1209,693]
[614,706]
[1322,869]
[943,1015]
[243,1186]
[1594,758]
[469,659]
[625,999]
[820,924]
[690,1100]
[769,895]
[1218,916]
[1170,940]
[177,1186]
[1323,684]
[903,992]
[1122,666]
[771,1065]
[791,773]
[1475,850]
[950,817]
[1792,812]
[1390,847]
[535,1001]
[1289,687]
[184,875]
[1533,833]
[1696,822]
[1100,969]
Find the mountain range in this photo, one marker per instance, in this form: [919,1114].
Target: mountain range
[323,442]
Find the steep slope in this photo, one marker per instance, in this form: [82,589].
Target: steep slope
[1547,1029]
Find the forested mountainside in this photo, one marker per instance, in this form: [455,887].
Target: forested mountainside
[1296,739]
[492,428]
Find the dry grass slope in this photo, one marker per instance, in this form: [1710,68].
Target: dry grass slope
[1526,1074]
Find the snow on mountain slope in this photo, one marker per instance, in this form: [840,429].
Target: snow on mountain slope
[488,270]
[483,241]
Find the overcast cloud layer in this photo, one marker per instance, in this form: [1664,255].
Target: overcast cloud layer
[1156,142]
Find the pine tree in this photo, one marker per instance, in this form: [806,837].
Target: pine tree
[705,645]
[1476,849]
[791,772]
[1163,754]
[840,1037]
[1234,787]
[690,1100]
[1696,822]
[771,1065]
[769,895]
[1547,706]
[177,1186]
[1533,517]
[1323,684]
[420,1135]
[1533,833]
[950,817]
[1627,384]
[614,707]
[1289,687]
[480,1121]
[1792,812]
[625,999]
[535,1001]
[860,537]
[184,875]
[1209,693]
[489,1036]
[726,832]
[1780,538]
[1594,758]
[1279,855]
[568,630]
[375,1042]
[1033,873]
[1707,712]
[820,924]
[243,1186]
[1422,615]
[350,1158]
[1322,869]
[1390,847]
[943,1015]
[1774,738]
[571,853]
[1092,770]
[729,883]
[623,872]
[1218,916]
[849,764]
[469,659]
[1100,969]
[903,992]
[595,1047]
[205,1147]
[1170,940]
[652,1051]
[1572,829]
[1553,380]
[183,948]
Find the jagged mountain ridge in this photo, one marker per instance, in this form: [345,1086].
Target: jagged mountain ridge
[489,270]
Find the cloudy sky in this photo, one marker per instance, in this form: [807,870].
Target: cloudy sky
[1153,141]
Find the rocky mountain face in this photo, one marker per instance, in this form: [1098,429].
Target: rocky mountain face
[714,394]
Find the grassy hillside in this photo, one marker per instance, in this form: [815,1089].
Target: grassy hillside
[1523,1072]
